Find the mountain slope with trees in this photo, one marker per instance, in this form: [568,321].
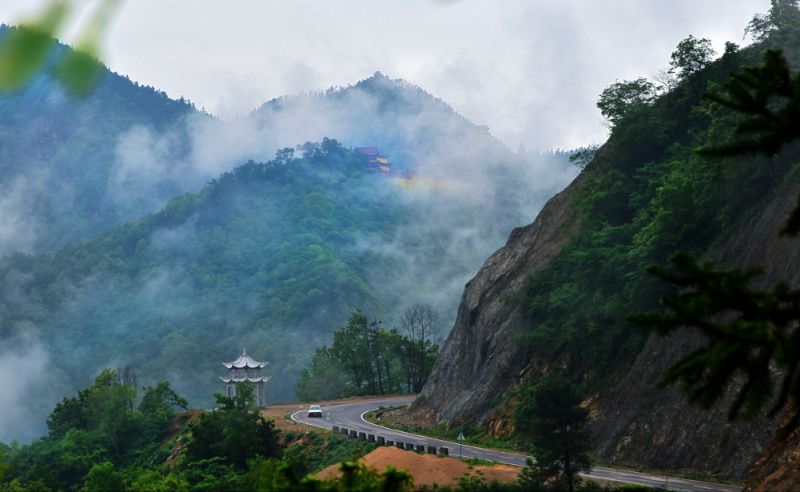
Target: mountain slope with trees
[271,256]
[264,256]
[71,167]
[560,294]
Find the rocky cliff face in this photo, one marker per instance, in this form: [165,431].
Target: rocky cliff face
[778,468]
[480,360]
[635,423]
[641,425]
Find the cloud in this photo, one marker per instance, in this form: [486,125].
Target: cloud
[19,228]
[148,170]
[23,362]
[530,70]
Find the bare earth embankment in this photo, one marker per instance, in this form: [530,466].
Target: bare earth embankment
[429,469]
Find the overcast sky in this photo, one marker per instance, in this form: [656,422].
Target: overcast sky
[530,70]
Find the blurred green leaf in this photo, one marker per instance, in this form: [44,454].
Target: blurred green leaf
[80,69]
[24,50]
[78,72]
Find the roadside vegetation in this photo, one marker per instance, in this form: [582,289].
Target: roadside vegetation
[115,435]
[366,358]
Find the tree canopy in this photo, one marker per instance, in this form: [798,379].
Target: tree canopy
[620,98]
[550,416]
[366,358]
[690,56]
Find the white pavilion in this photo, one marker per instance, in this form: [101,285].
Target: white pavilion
[245,368]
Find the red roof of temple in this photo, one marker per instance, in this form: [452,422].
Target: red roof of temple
[368,151]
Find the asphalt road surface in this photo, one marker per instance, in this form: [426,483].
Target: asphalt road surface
[350,415]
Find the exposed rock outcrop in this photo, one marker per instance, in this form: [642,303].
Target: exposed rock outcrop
[778,468]
[635,423]
[480,359]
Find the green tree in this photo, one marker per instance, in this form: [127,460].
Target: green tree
[366,358]
[420,323]
[155,480]
[620,98]
[161,399]
[583,156]
[351,348]
[324,379]
[690,56]
[103,477]
[750,333]
[550,416]
[3,464]
[234,433]
[95,435]
[25,50]
[783,16]
[767,99]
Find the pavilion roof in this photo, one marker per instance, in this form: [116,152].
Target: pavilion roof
[242,379]
[243,361]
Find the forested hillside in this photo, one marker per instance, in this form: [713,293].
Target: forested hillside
[263,257]
[271,256]
[558,296]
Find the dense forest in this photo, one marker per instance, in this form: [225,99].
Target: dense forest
[118,436]
[262,257]
[565,292]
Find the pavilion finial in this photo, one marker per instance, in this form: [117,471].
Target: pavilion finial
[244,351]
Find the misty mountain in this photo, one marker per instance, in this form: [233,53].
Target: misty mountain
[262,257]
[414,127]
[272,256]
[74,167]
[65,170]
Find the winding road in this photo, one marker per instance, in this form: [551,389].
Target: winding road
[350,415]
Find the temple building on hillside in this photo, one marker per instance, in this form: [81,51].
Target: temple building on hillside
[375,158]
[245,368]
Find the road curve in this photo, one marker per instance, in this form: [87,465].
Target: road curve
[350,415]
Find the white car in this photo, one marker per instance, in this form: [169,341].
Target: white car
[314,411]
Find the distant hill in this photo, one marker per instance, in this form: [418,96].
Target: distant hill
[415,128]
